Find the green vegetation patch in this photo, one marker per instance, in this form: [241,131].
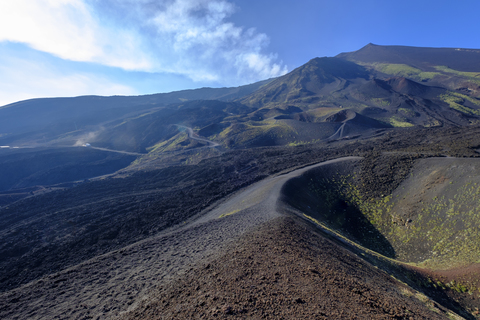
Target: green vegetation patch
[467,98]
[472,76]
[323,112]
[381,102]
[399,122]
[178,149]
[455,101]
[432,220]
[258,130]
[335,201]
[228,214]
[407,112]
[452,226]
[403,70]
[301,143]
[171,144]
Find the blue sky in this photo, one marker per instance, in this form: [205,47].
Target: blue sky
[54,48]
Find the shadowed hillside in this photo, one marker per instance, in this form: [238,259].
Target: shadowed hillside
[38,121]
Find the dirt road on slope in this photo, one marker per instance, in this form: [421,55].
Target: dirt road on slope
[118,151]
[194,136]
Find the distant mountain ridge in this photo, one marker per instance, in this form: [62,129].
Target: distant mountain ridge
[386,86]
[71,114]
[467,60]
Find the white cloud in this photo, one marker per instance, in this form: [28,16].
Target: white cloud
[69,30]
[208,47]
[187,37]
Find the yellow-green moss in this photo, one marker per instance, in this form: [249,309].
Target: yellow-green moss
[301,143]
[472,76]
[403,70]
[447,226]
[407,112]
[399,122]
[254,129]
[170,144]
[456,100]
[228,214]
[381,102]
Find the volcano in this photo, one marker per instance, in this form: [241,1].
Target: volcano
[346,188]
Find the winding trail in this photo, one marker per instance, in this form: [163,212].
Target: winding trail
[338,133]
[194,136]
[111,284]
[118,151]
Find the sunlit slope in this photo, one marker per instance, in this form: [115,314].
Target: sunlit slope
[325,99]
[383,91]
[425,231]
[453,68]
[308,83]
[431,219]
[325,194]
[231,125]
[388,86]
[419,57]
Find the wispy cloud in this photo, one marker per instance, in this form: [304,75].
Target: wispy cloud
[70,30]
[205,46]
[193,38]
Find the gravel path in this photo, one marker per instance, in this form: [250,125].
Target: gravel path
[194,136]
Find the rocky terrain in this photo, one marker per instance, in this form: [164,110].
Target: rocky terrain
[346,189]
[285,270]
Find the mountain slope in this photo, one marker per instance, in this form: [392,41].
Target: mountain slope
[39,121]
[467,60]
[453,68]
[285,270]
[305,84]
[216,208]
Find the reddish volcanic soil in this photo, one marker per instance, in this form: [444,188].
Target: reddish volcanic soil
[285,270]
[464,283]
